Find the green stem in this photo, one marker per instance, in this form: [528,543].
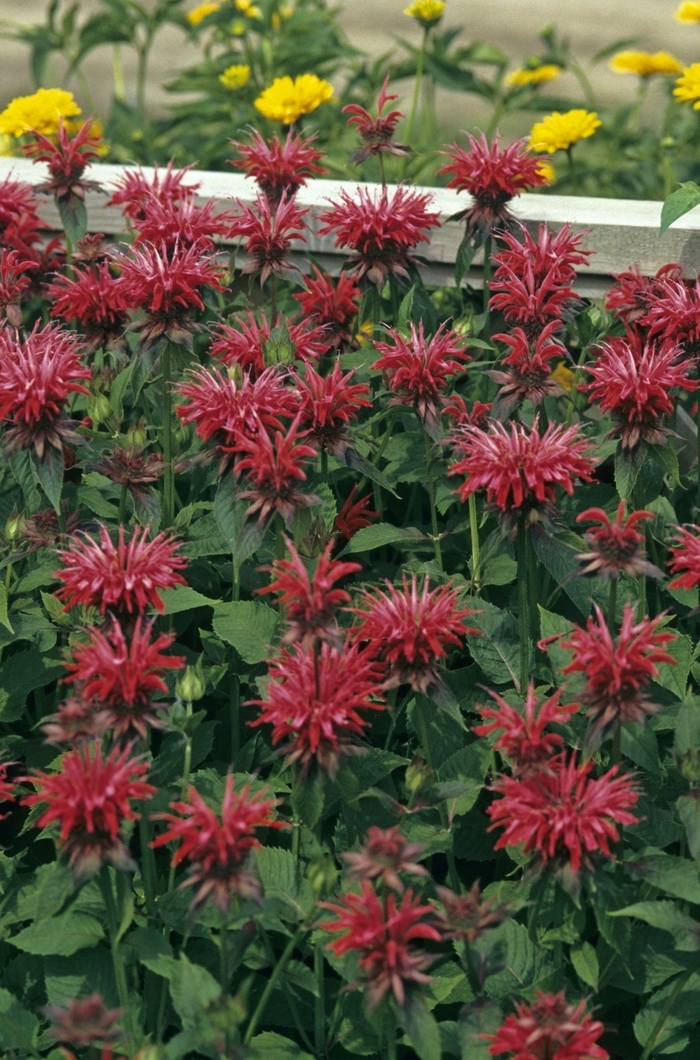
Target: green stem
[280,547]
[431,495]
[417,86]
[105,884]
[118,73]
[382,171]
[122,505]
[658,1026]
[287,992]
[273,299]
[236,584]
[223,954]
[424,738]
[642,602]
[324,464]
[488,250]
[524,606]
[390,1034]
[617,745]
[612,604]
[573,173]
[474,535]
[320,1001]
[272,983]
[235,717]
[167,437]
[148,864]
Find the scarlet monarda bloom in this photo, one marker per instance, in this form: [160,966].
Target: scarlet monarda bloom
[466,917]
[12,284]
[37,375]
[273,463]
[120,675]
[384,854]
[134,190]
[377,134]
[67,160]
[309,601]
[132,468]
[410,630]
[549,1029]
[333,306]
[182,222]
[562,816]
[269,232]
[328,404]
[523,739]
[381,229]
[418,370]
[381,935]
[258,345]
[20,224]
[85,1021]
[95,298]
[216,846]
[673,316]
[618,669]
[529,369]
[90,797]
[615,545]
[312,702]
[685,558]
[493,177]
[354,515]
[521,468]
[631,295]
[634,387]
[278,166]
[125,578]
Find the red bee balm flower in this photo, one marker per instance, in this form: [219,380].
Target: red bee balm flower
[354,515]
[615,545]
[269,232]
[521,468]
[563,815]
[634,388]
[7,787]
[523,740]
[182,221]
[418,370]
[410,630]
[310,602]
[134,190]
[673,314]
[218,846]
[85,1021]
[313,698]
[256,346]
[274,467]
[95,298]
[493,176]
[377,134]
[618,670]
[381,935]
[124,578]
[466,917]
[120,678]
[91,798]
[37,374]
[334,306]
[328,404]
[380,228]
[67,160]
[13,284]
[549,1029]
[529,369]
[278,166]
[685,557]
[383,856]
[631,295]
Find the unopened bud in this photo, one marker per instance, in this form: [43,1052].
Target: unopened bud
[418,775]
[689,765]
[235,372]
[278,348]
[136,435]
[99,408]
[322,875]
[13,526]
[190,686]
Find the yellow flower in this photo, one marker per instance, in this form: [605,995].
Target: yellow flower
[238,28]
[547,170]
[201,12]
[249,9]
[645,64]
[557,132]
[276,20]
[689,11]
[687,88]
[235,76]
[41,112]
[427,12]
[286,100]
[535,76]
[6,150]
[563,376]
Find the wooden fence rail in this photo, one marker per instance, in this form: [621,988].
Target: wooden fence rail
[620,232]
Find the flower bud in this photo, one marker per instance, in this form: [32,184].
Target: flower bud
[136,435]
[190,686]
[322,875]
[14,525]
[99,408]
[278,348]
[235,372]
[418,775]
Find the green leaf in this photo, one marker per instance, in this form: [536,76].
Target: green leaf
[404,318]
[627,468]
[278,872]
[370,537]
[18,1028]
[4,617]
[60,935]
[475,1020]
[184,598]
[465,256]
[688,807]
[674,875]
[497,650]
[469,764]
[192,987]
[73,216]
[638,743]
[682,1013]
[559,557]
[585,962]
[307,798]
[49,472]
[271,1046]
[678,203]
[21,674]
[420,1026]
[665,457]
[248,625]
[668,917]
[674,677]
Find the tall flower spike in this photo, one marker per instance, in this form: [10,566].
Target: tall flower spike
[381,936]
[312,702]
[93,297]
[618,670]
[274,467]
[635,389]
[523,739]
[310,602]
[217,846]
[493,176]
[410,630]
[381,229]
[615,545]
[124,577]
[549,1027]
[278,166]
[90,798]
[334,306]
[37,375]
[269,233]
[383,855]
[562,816]
[328,404]
[377,134]
[685,558]
[418,370]
[120,675]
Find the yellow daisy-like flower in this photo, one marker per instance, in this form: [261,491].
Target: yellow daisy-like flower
[6,149]
[563,376]
[547,170]
[41,112]
[535,76]
[427,12]
[645,64]
[687,88]
[689,12]
[249,9]
[235,76]
[558,132]
[286,100]
[200,13]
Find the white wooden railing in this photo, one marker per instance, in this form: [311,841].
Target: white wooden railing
[620,232]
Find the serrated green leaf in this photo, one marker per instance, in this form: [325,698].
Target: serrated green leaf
[585,962]
[18,1028]
[674,875]
[420,1026]
[679,203]
[370,537]
[668,917]
[307,799]
[185,598]
[60,935]
[638,743]
[248,625]
[672,1035]
[497,650]
[272,1046]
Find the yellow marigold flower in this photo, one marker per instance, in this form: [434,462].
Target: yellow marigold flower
[557,132]
[535,76]
[547,170]
[249,9]
[563,376]
[235,76]
[286,100]
[689,12]
[41,112]
[200,13]
[427,12]
[645,64]
[687,88]
[6,150]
